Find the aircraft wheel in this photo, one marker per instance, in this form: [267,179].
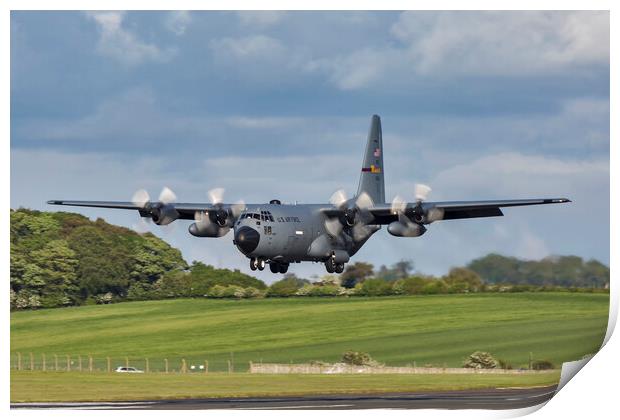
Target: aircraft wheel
[260,264]
[329,265]
[253,265]
[274,267]
[283,268]
[339,268]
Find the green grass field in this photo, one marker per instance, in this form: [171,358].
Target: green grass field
[439,330]
[72,386]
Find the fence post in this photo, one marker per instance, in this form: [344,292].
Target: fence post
[19,361]
[228,366]
[530,362]
[126,361]
[250,366]
[56,362]
[44,367]
[108,359]
[147,365]
[183,366]
[90,363]
[206,367]
[166,364]
[31,362]
[68,363]
[80,363]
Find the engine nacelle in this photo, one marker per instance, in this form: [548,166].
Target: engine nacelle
[207,230]
[163,214]
[409,230]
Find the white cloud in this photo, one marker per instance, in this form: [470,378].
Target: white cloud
[247,48]
[507,43]
[177,21]
[122,45]
[117,117]
[352,71]
[503,43]
[520,175]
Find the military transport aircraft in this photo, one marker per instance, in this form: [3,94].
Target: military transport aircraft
[280,234]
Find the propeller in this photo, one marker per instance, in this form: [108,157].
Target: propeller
[421,192]
[167,196]
[355,215]
[219,214]
[155,211]
[140,198]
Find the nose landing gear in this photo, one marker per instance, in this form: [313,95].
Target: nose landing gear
[257,263]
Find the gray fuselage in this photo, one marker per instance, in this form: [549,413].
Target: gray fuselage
[289,233]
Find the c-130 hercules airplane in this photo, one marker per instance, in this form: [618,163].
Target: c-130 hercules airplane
[280,234]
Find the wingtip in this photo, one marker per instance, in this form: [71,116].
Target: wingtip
[54,202]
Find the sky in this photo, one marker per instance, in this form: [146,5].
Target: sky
[478,105]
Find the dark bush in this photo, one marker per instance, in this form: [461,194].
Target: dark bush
[357,358]
[504,364]
[542,365]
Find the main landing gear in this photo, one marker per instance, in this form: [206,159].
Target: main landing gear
[257,263]
[332,267]
[276,267]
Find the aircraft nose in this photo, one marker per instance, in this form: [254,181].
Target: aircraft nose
[246,239]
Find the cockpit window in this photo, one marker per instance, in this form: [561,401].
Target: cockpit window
[256,216]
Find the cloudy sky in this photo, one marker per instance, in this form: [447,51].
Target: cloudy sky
[277,105]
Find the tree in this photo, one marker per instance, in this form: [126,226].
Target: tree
[565,271]
[402,268]
[398,270]
[375,287]
[153,258]
[355,273]
[284,288]
[54,274]
[411,285]
[462,279]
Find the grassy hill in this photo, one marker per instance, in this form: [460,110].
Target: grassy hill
[440,330]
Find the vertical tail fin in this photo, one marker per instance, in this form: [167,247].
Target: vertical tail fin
[371,178]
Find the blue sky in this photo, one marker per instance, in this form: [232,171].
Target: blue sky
[479,105]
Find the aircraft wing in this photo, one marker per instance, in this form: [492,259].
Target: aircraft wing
[185,210]
[449,210]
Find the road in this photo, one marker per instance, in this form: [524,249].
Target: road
[473,399]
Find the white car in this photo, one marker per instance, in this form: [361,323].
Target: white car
[128,369]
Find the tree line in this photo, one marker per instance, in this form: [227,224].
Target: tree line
[65,259]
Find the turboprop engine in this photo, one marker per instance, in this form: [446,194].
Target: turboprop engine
[161,214]
[410,230]
[207,229]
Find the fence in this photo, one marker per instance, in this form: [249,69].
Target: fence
[87,363]
[343,368]
[196,365]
